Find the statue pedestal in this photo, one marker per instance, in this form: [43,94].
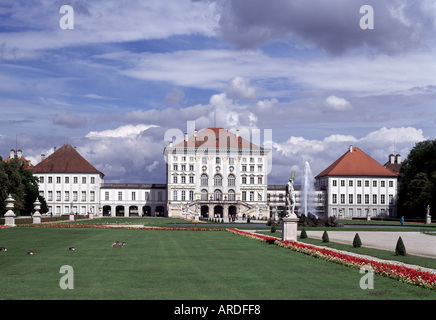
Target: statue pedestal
[428,219]
[289,228]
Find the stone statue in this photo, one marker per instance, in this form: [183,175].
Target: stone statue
[428,210]
[290,197]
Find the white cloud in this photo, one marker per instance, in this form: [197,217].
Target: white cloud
[239,88]
[338,104]
[378,144]
[127,131]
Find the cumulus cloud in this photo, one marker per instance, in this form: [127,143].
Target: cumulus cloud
[338,104]
[239,88]
[120,132]
[320,153]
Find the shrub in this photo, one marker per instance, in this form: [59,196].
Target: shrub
[303,234]
[356,242]
[325,237]
[400,249]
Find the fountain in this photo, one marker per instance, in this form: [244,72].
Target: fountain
[308,192]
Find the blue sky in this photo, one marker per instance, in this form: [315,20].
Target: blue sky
[130,71]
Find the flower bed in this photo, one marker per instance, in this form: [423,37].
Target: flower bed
[401,273]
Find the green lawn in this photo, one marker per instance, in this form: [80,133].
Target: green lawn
[176,265]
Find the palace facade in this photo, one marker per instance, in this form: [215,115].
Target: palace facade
[217,173]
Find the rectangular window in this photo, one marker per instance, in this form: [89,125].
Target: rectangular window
[67,196]
[366,198]
[92,196]
[133,195]
[342,198]
[183,195]
[58,196]
[374,199]
[75,196]
[334,198]
[175,195]
[106,195]
[350,199]
[84,180]
[83,195]
[120,195]
[359,199]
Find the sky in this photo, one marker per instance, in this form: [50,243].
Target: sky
[114,77]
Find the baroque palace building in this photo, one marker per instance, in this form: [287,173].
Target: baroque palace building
[217,173]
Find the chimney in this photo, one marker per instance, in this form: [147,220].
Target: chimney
[391,159]
[42,156]
[19,153]
[195,133]
[351,149]
[237,133]
[398,159]
[186,137]
[12,154]
[54,149]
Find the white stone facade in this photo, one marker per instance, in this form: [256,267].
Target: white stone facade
[66,193]
[217,181]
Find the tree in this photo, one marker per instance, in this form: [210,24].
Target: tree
[18,181]
[400,249]
[325,237]
[418,180]
[357,243]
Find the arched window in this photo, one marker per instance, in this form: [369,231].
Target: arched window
[231,195]
[218,195]
[231,180]
[204,179]
[217,180]
[204,195]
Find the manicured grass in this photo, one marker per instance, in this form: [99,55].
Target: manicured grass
[157,264]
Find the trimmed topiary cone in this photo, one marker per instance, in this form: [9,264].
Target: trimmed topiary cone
[303,234]
[356,242]
[325,237]
[400,249]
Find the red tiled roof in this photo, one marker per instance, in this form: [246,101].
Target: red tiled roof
[216,138]
[65,159]
[27,164]
[356,163]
